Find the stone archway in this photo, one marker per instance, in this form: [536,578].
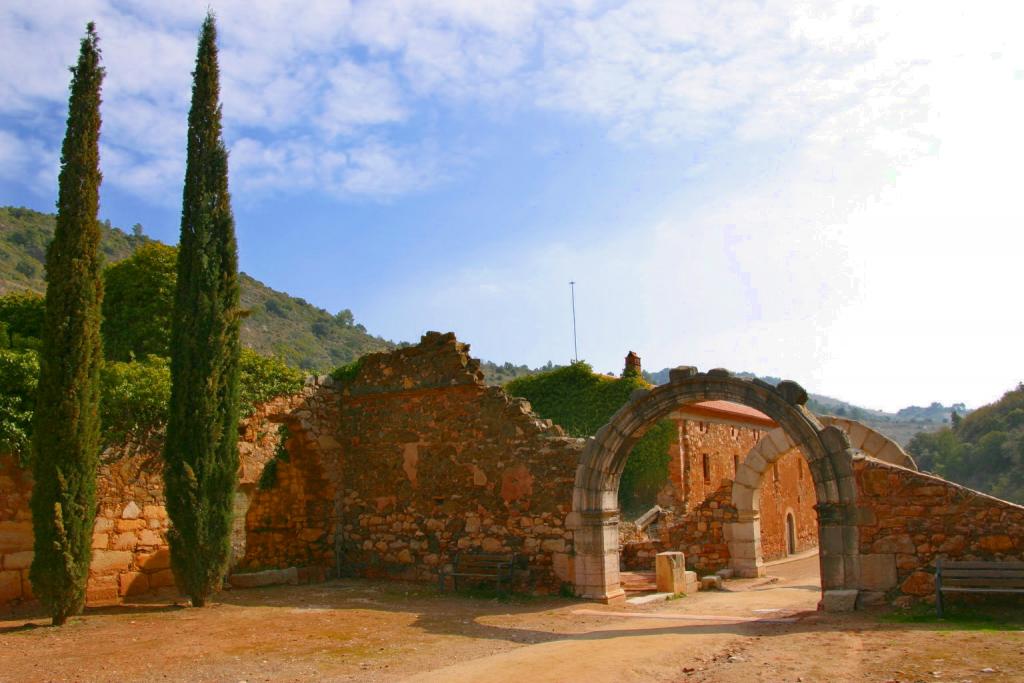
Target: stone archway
[595,518]
[744,535]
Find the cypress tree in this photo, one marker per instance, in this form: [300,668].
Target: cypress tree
[66,441]
[200,453]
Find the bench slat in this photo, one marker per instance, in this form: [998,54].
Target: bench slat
[954,589]
[982,573]
[981,565]
[988,583]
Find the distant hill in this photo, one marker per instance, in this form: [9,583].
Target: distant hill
[984,450]
[900,426]
[304,335]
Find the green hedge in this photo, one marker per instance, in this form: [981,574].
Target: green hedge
[582,401]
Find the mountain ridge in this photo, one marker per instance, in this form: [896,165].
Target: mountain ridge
[277,324]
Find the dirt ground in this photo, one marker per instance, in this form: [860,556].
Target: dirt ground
[757,630]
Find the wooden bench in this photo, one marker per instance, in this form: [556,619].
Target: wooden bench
[480,566]
[977,577]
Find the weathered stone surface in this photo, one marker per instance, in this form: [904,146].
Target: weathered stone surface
[268,577]
[110,561]
[839,600]
[22,560]
[670,572]
[15,536]
[792,392]
[711,582]
[919,583]
[131,511]
[878,572]
[10,585]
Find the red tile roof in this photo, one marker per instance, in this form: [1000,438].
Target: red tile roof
[731,411]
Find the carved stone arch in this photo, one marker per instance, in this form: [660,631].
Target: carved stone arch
[871,442]
[595,517]
[744,535]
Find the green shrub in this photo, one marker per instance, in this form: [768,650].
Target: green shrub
[265,377]
[135,397]
[19,377]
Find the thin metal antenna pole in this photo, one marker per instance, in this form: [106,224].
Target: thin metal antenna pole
[575,349]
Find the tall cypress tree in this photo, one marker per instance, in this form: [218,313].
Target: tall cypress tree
[66,436]
[201,455]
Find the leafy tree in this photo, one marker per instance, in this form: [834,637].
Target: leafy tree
[201,451]
[19,377]
[139,295]
[66,437]
[21,315]
[983,450]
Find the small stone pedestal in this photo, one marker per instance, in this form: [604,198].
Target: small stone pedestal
[670,571]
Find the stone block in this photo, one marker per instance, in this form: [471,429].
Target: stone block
[712,582]
[100,541]
[148,537]
[878,572]
[839,600]
[691,584]
[10,585]
[154,512]
[103,524]
[15,536]
[131,511]
[133,583]
[101,590]
[125,541]
[268,577]
[669,569]
[124,525]
[919,583]
[161,579]
[109,561]
[901,543]
[22,560]
[155,561]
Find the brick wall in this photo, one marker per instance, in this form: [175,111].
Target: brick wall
[787,487]
[723,444]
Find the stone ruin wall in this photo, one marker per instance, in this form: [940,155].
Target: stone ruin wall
[130,553]
[909,518]
[432,462]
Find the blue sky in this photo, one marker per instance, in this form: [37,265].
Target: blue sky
[822,191]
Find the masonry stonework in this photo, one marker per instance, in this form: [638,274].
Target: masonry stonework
[909,519]
[130,554]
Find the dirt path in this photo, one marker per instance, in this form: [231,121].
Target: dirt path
[759,630]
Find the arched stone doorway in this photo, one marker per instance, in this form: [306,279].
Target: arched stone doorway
[744,535]
[595,518]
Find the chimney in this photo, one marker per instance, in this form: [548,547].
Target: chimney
[632,365]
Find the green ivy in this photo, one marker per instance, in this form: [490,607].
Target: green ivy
[347,373]
[582,401]
[268,477]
